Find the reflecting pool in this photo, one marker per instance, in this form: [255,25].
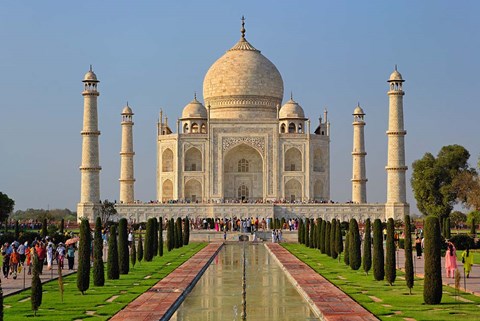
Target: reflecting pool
[269,294]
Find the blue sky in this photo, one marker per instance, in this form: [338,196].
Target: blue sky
[155,54]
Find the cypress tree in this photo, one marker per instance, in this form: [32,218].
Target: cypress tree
[98,268]
[409,277]
[390,260]
[186,231]
[179,232]
[44,228]
[346,256]
[149,231]
[432,287]
[17,230]
[311,238]
[338,239]
[327,239]
[448,232]
[307,232]
[160,237]
[355,254]
[333,234]
[123,259]
[378,256]
[113,270]
[62,226]
[367,247]
[169,236]
[299,232]
[36,295]
[317,231]
[323,231]
[83,269]
[155,236]
[140,248]
[473,230]
[133,255]
[171,226]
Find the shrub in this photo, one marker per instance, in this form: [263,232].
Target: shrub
[367,248]
[333,245]
[323,230]
[186,231]
[346,256]
[409,273]
[338,239]
[44,228]
[155,237]
[169,236]
[149,239]
[133,256]
[378,256]
[312,234]
[140,249]
[123,259]
[113,270]
[390,262]
[179,238]
[432,288]
[462,240]
[328,229]
[62,226]
[83,269]
[473,226]
[98,268]
[318,233]
[160,237]
[355,254]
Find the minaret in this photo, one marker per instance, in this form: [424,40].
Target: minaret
[396,205]
[90,168]
[126,158]
[359,179]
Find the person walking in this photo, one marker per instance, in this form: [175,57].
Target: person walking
[450,260]
[418,247]
[71,256]
[467,260]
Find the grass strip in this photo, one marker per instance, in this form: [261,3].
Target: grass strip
[99,303]
[388,302]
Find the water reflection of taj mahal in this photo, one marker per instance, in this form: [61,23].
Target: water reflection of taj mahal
[243,153]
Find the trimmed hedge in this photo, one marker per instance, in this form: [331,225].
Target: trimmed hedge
[409,273]
[390,260]
[432,287]
[355,252]
[83,269]
[378,256]
[367,248]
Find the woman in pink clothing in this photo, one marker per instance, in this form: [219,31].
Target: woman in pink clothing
[451,260]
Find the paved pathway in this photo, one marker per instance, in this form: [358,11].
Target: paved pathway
[325,299]
[24,281]
[472,283]
[161,300]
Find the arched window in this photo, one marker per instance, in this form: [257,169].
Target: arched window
[291,128]
[194,128]
[243,166]
[282,129]
[185,129]
[242,192]
[300,128]
[203,129]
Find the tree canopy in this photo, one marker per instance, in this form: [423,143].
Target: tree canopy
[107,210]
[6,206]
[433,179]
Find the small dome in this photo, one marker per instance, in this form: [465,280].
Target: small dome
[127,110]
[194,109]
[90,76]
[358,111]
[395,76]
[291,109]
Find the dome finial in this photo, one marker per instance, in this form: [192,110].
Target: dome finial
[243,27]
[127,104]
[195,95]
[396,67]
[91,68]
[291,95]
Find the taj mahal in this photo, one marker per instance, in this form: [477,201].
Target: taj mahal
[243,152]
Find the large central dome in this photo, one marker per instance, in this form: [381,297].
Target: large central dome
[243,84]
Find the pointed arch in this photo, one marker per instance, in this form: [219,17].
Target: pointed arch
[283,128]
[293,160]
[193,191]
[318,191]
[167,160]
[292,128]
[193,160]
[317,160]
[167,190]
[195,128]
[293,190]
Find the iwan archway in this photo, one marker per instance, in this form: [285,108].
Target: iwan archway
[243,174]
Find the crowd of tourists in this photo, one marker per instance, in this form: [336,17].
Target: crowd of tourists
[18,256]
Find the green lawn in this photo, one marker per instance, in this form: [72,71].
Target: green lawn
[94,304]
[393,302]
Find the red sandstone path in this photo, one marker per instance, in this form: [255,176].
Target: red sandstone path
[324,298]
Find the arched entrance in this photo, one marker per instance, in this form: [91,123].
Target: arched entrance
[293,190]
[243,174]
[193,191]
